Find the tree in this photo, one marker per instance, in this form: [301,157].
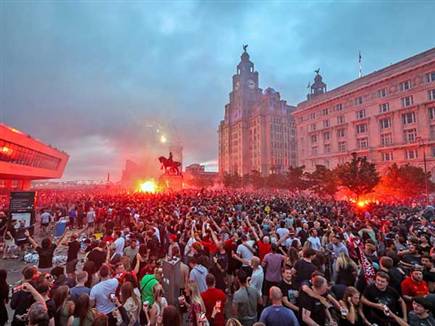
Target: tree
[275,180]
[322,181]
[295,178]
[255,179]
[232,180]
[404,181]
[358,175]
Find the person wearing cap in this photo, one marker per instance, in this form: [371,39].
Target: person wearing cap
[420,314]
[414,286]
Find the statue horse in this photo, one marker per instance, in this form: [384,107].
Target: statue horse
[170,166]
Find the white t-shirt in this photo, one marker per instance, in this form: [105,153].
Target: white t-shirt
[282,232]
[90,216]
[100,293]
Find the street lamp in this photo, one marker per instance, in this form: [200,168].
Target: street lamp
[422,144]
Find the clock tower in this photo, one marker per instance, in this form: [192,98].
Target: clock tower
[245,90]
[256,132]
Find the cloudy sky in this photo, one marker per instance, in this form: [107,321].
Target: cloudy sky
[99,78]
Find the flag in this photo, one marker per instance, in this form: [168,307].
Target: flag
[360,66]
[359,57]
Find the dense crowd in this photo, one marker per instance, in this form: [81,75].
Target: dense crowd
[273,259]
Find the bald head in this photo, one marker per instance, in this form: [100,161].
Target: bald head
[275,295]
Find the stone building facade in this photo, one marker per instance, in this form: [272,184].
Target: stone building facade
[257,132]
[387,116]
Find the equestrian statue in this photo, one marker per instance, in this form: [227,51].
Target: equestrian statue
[170,166]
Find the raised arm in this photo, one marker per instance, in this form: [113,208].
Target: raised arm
[58,242]
[214,237]
[31,240]
[27,287]
[136,267]
[254,232]
[216,225]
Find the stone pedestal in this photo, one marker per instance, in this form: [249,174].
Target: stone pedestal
[171,182]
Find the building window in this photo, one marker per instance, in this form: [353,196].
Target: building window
[340,119]
[384,107]
[313,138]
[386,139]
[430,77]
[17,154]
[325,123]
[313,115]
[431,94]
[387,156]
[411,154]
[339,107]
[363,143]
[408,118]
[404,86]
[410,135]
[342,146]
[432,132]
[385,123]
[362,128]
[432,113]
[358,100]
[361,114]
[326,135]
[433,151]
[407,101]
[382,92]
[340,132]
[312,127]
[325,111]
[327,148]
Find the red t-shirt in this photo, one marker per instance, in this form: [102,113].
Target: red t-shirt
[413,289]
[210,297]
[210,245]
[263,249]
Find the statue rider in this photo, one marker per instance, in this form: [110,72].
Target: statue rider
[170,157]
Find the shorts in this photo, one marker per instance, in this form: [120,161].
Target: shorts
[267,285]
[91,224]
[44,224]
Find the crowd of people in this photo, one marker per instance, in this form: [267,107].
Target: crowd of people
[243,258]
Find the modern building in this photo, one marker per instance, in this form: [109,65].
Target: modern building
[257,133]
[387,116]
[23,159]
[196,175]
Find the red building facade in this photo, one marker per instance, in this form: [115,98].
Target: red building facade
[387,116]
[23,159]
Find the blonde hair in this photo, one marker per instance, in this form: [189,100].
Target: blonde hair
[233,322]
[195,295]
[343,261]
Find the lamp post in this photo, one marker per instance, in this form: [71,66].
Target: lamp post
[421,144]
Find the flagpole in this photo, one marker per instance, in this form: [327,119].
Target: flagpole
[360,66]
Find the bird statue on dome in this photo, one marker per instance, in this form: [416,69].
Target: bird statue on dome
[317,71]
[245,47]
